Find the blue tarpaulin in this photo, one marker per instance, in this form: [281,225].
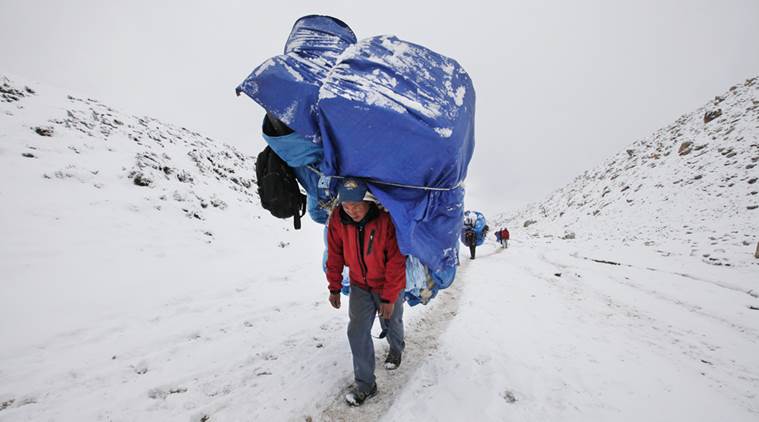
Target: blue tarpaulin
[474,220]
[384,109]
[399,113]
[288,85]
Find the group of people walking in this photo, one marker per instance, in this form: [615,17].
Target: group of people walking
[475,230]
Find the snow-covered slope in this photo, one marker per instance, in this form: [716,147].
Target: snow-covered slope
[139,275]
[690,188]
[630,294]
[91,195]
[141,280]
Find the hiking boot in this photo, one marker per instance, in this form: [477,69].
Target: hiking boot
[392,361]
[357,397]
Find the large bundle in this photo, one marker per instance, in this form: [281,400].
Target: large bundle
[384,109]
[474,221]
[403,115]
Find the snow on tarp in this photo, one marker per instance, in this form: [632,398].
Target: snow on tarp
[399,113]
[288,85]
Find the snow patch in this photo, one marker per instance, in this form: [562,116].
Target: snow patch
[459,97]
[444,132]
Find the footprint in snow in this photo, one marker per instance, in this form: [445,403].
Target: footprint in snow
[508,396]
[141,368]
[267,356]
[165,391]
[6,403]
[319,342]
[9,402]
[202,417]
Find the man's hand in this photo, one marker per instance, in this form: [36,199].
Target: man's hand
[334,300]
[386,310]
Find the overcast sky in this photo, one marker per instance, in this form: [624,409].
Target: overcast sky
[561,85]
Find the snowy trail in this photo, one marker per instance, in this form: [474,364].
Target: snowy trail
[423,331]
[724,285]
[535,332]
[696,327]
[544,335]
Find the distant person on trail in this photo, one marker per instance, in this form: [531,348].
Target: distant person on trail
[470,239]
[502,236]
[474,231]
[362,237]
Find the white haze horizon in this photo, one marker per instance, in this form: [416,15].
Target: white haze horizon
[560,87]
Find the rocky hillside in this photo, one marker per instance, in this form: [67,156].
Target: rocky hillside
[689,188]
[70,151]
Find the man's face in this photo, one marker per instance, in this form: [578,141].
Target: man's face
[356,210]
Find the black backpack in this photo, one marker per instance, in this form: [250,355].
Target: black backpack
[278,188]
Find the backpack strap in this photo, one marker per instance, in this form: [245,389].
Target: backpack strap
[298,214]
[300,211]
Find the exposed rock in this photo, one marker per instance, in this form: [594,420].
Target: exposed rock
[44,130]
[685,148]
[9,94]
[568,235]
[528,223]
[711,115]
[140,179]
[184,176]
[193,214]
[756,254]
[218,203]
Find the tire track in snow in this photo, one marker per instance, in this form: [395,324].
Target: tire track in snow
[723,285]
[422,340]
[686,338]
[690,307]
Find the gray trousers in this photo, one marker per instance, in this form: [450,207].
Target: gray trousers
[362,311]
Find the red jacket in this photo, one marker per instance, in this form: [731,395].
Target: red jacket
[379,266]
[505,234]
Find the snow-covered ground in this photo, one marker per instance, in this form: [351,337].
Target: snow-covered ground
[141,280]
[543,333]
